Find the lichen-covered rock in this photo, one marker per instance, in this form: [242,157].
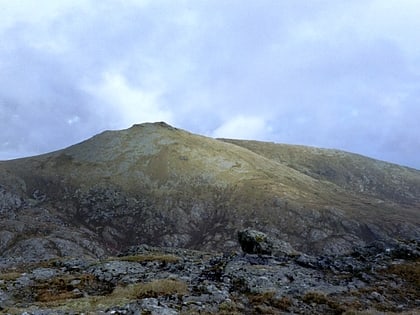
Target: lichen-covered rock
[255,242]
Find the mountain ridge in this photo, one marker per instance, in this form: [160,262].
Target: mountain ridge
[160,185]
[293,156]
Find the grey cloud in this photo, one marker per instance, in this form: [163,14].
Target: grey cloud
[306,72]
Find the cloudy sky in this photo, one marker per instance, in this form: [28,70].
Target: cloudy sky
[327,73]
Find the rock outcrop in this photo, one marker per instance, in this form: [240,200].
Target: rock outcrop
[255,242]
[151,280]
[259,243]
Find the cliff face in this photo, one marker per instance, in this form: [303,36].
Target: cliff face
[162,186]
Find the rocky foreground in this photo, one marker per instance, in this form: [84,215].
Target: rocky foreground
[266,277]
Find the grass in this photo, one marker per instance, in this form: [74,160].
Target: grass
[265,301]
[70,292]
[314,297]
[10,276]
[375,312]
[155,288]
[67,287]
[410,272]
[406,293]
[118,297]
[164,258]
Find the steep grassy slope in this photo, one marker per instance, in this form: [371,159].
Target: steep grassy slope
[161,156]
[353,172]
[160,185]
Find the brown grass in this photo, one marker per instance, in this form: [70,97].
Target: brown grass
[409,272]
[261,297]
[68,287]
[164,287]
[315,297]
[155,288]
[120,296]
[375,312]
[268,299]
[322,298]
[228,308]
[9,276]
[164,258]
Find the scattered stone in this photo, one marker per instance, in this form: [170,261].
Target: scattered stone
[43,273]
[118,271]
[220,283]
[377,297]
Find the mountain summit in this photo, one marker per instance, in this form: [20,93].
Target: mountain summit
[163,186]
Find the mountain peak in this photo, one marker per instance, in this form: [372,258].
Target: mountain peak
[154,183]
[153,124]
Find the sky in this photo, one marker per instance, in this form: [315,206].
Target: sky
[325,73]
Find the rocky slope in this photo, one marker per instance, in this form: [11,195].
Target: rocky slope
[163,186]
[66,216]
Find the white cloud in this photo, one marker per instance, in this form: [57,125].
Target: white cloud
[26,11]
[73,120]
[243,127]
[129,104]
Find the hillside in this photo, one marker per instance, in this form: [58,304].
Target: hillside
[163,186]
[353,172]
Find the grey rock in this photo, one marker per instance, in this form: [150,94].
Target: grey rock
[5,299]
[407,250]
[152,305]
[118,271]
[43,274]
[236,282]
[282,278]
[377,297]
[255,242]
[9,201]
[6,238]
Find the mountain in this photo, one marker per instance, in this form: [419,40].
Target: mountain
[158,185]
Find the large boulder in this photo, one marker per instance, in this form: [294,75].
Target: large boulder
[256,242]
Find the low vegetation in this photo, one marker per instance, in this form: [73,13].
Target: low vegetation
[162,258]
[410,272]
[8,276]
[155,288]
[319,298]
[269,302]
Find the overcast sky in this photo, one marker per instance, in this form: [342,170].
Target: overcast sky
[327,73]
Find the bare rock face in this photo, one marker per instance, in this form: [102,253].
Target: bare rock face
[9,200]
[31,234]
